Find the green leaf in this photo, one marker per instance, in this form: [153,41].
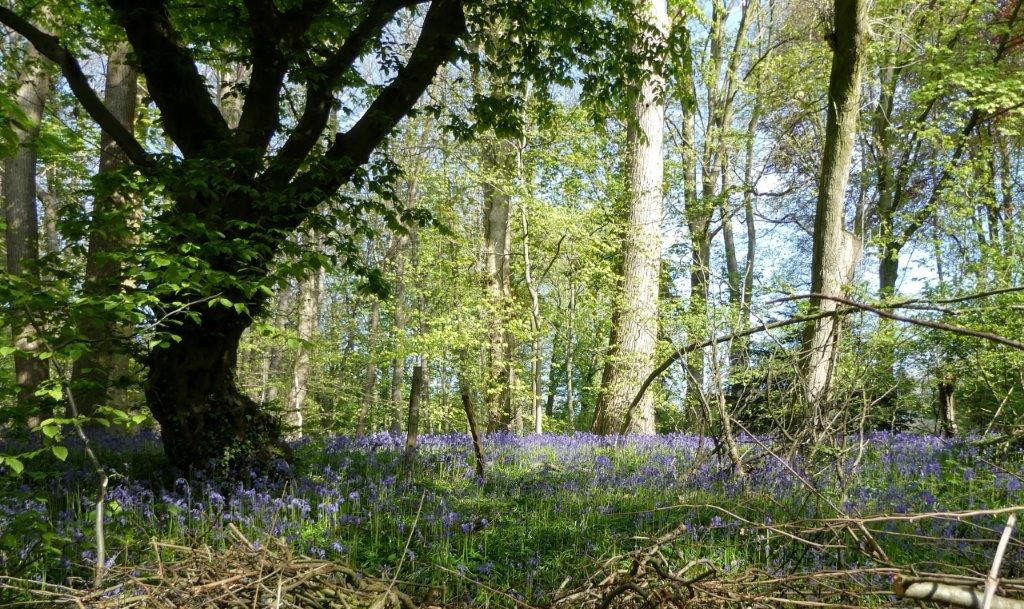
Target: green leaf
[15,464]
[60,452]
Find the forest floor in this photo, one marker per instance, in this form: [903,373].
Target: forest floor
[549,515]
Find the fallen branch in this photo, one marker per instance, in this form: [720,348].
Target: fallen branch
[961,596]
[992,581]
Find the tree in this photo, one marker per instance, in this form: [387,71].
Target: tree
[369,390]
[636,322]
[22,236]
[309,296]
[238,193]
[105,361]
[835,251]
[922,89]
[716,73]
[497,165]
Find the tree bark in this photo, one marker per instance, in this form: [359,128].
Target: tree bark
[51,213]
[496,161]
[637,322]
[739,353]
[610,353]
[231,84]
[835,250]
[308,312]
[570,346]
[369,397]
[412,427]
[272,363]
[192,392]
[947,406]
[732,265]
[398,320]
[22,235]
[99,372]
[698,224]
[535,328]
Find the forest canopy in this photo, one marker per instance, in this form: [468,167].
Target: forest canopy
[249,227]
[261,180]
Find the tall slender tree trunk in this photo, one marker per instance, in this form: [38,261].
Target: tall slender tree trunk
[496,161]
[886,183]
[51,213]
[732,264]
[835,250]
[98,374]
[553,380]
[570,345]
[607,369]
[947,405]
[535,328]
[22,235]
[369,395]
[698,224]
[751,227]
[272,362]
[734,280]
[637,323]
[699,212]
[308,312]
[398,365]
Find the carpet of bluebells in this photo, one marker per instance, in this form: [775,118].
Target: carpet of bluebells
[551,507]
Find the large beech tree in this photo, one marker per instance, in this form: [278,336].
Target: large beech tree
[635,326]
[234,168]
[238,193]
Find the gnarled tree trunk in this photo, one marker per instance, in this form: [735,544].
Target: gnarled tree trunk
[250,186]
[192,392]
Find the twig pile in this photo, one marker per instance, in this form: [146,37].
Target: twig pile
[643,578]
[242,576]
[648,578]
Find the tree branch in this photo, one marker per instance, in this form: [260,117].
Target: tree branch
[850,305]
[273,34]
[320,91]
[442,27]
[925,212]
[49,46]
[190,116]
[975,119]
[259,118]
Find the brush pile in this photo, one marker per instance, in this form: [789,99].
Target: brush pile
[244,575]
